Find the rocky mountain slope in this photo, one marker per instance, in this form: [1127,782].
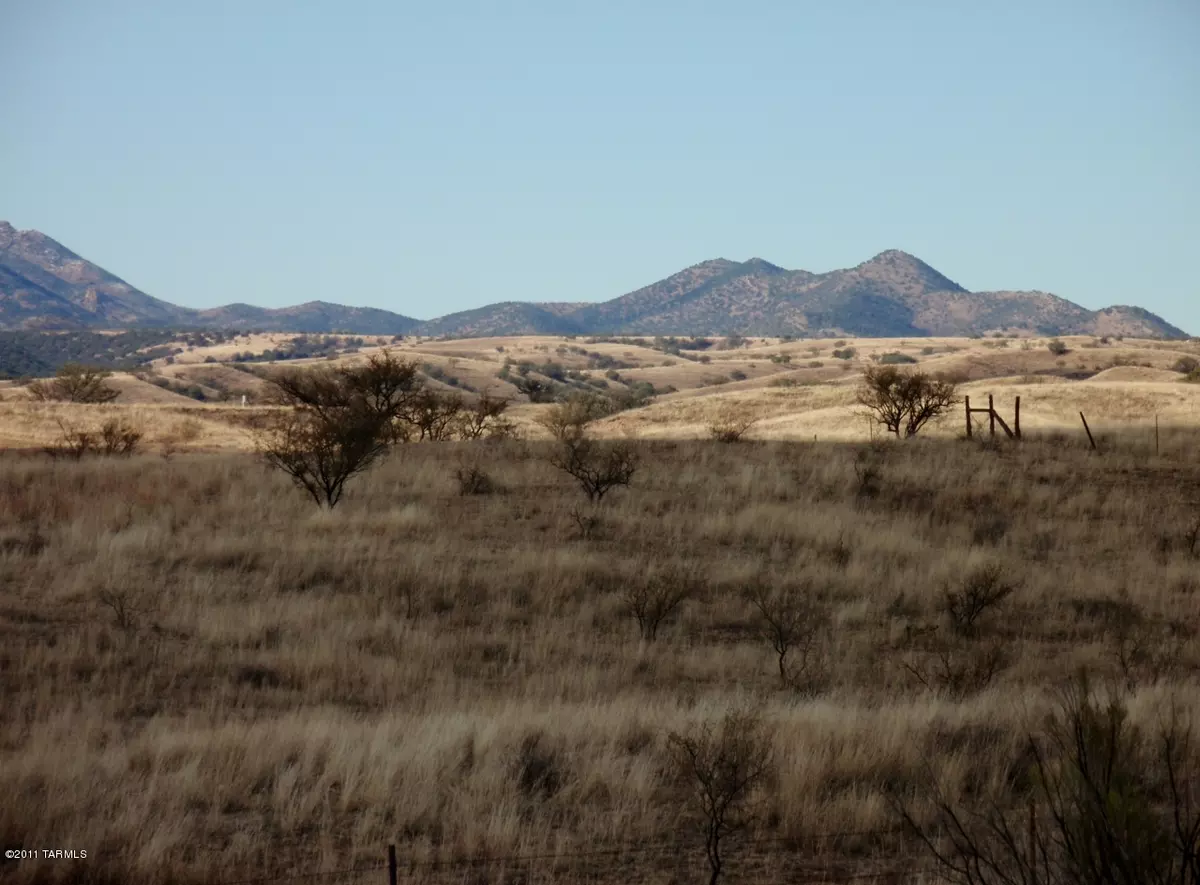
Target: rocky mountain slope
[45,285]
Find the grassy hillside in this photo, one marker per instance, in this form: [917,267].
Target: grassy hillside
[204,679]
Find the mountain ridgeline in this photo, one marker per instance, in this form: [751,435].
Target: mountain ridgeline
[43,285]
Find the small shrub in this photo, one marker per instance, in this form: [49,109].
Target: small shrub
[473,480]
[538,768]
[1058,347]
[652,600]
[982,590]
[730,428]
[119,437]
[896,359]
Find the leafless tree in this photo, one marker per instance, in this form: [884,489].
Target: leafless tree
[724,768]
[483,418]
[904,401]
[984,588]
[791,624]
[598,466]
[656,597]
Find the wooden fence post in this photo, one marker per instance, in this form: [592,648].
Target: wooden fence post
[1091,438]
[1033,845]
[391,865]
[1157,448]
[992,415]
[1017,420]
[967,400]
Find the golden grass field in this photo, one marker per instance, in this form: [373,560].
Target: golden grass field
[205,679]
[1130,384]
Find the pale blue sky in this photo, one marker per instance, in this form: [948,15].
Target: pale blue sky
[432,157]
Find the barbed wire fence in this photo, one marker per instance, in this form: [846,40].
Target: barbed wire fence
[677,861]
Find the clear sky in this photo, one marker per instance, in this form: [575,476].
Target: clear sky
[431,157]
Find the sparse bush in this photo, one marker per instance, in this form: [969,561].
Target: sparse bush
[730,427]
[437,417]
[473,480]
[1109,805]
[129,606]
[724,769]
[847,353]
[792,625]
[983,589]
[538,768]
[567,421]
[114,436]
[1058,347]
[957,671]
[1186,365]
[118,436]
[598,466]
[74,383]
[653,599]
[1145,652]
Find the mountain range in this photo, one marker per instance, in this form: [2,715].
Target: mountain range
[44,285]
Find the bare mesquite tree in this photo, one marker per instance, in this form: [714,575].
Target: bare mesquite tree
[338,422]
[904,402]
[485,419]
[724,767]
[792,624]
[74,383]
[654,598]
[599,466]
[1108,804]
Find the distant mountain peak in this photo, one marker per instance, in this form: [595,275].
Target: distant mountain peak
[761,264]
[44,285]
[906,272]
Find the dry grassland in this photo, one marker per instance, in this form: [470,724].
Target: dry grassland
[204,679]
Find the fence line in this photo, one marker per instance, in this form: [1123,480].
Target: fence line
[393,867]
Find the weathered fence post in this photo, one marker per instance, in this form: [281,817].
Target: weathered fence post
[967,399]
[1017,420]
[391,865]
[992,415]
[1091,438]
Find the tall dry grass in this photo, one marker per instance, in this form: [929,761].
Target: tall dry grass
[204,678]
